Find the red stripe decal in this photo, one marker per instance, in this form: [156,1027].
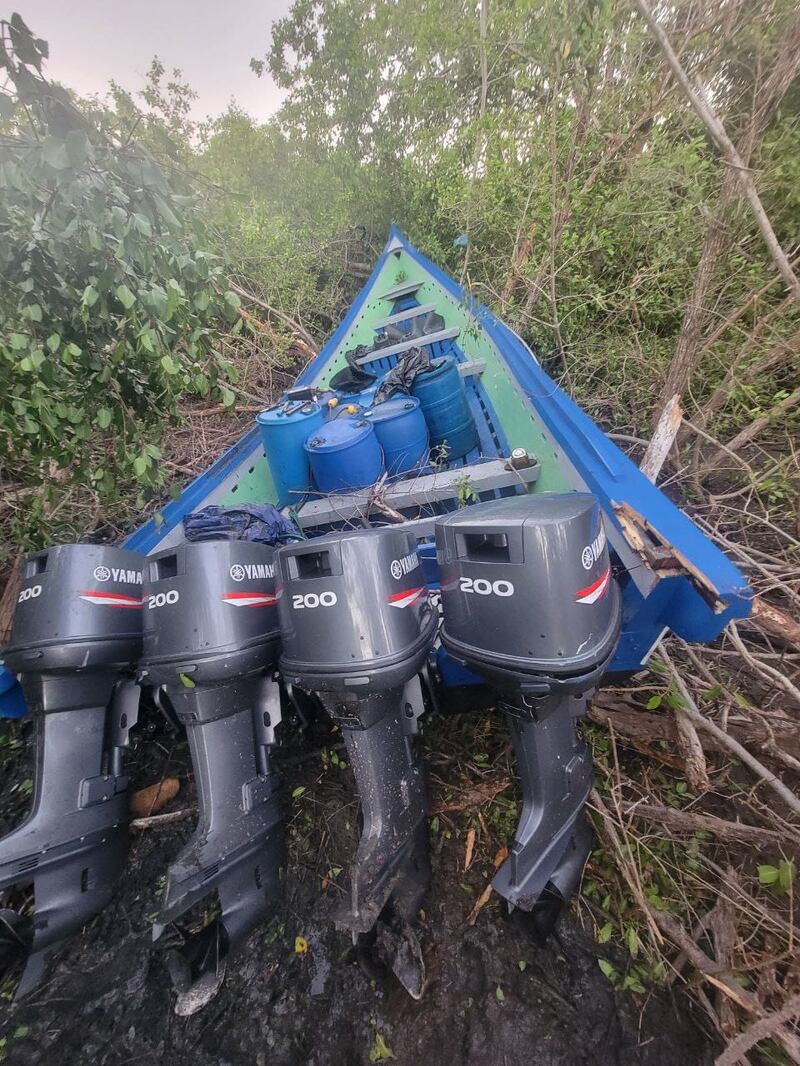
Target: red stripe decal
[406,597]
[250,599]
[594,592]
[110,599]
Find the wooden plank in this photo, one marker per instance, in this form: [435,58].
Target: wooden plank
[413,342]
[402,316]
[401,290]
[472,368]
[417,491]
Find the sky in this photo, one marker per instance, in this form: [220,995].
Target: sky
[211,41]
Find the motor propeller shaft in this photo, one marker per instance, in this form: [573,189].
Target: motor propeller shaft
[75,640]
[210,644]
[357,627]
[529,602]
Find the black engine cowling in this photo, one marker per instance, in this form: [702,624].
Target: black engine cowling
[529,602]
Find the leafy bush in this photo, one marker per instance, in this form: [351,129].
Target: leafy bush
[110,302]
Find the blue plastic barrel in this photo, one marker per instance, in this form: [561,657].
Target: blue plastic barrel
[443,399]
[12,702]
[344,455]
[401,431]
[284,431]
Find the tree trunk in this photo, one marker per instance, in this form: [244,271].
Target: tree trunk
[696,321]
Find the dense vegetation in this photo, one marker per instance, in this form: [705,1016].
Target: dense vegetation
[592,209]
[155,271]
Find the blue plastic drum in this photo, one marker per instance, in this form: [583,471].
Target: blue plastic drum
[284,431]
[402,433]
[344,455]
[443,397]
[12,702]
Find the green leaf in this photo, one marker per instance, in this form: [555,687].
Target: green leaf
[632,941]
[53,341]
[33,312]
[380,1051]
[228,397]
[90,296]
[786,875]
[169,364]
[166,211]
[8,105]
[522,966]
[768,875]
[142,224]
[232,299]
[604,935]
[140,465]
[654,702]
[17,342]
[712,693]
[499,995]
[103,418]
[77,147]
[608,970]
[297,792]
[186,681]
[125,297]
[54,153]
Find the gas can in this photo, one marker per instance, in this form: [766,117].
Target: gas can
[401,431]
[443,398]
[344,454]
[284,431]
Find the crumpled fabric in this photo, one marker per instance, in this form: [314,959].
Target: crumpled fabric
[401,377]
[259,522]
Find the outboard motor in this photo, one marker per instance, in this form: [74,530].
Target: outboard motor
[529,602]
[75,640]
[357,627]
[211,642]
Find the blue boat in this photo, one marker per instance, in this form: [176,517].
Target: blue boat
[531,437]
[674,578]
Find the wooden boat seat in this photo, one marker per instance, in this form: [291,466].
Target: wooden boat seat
[440,491]
[399,318]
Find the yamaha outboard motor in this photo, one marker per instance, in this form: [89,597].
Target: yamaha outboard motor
[529,602]
[211,643]
[357,627]
[76,637]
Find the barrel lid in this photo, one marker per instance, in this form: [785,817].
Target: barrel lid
[285,413]
[437,368]
[338,434]
[392,408]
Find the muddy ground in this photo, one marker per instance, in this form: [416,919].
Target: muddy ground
[493,996]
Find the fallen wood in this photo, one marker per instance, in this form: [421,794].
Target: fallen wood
[693,822]
[638,726]
[470,850]
[690,746]
[764,1029]
[486,895]
[155,821]
[471,797]
[663,438]
[751,431]
[774,621]
[303,338]
[221,409]
[730,743]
